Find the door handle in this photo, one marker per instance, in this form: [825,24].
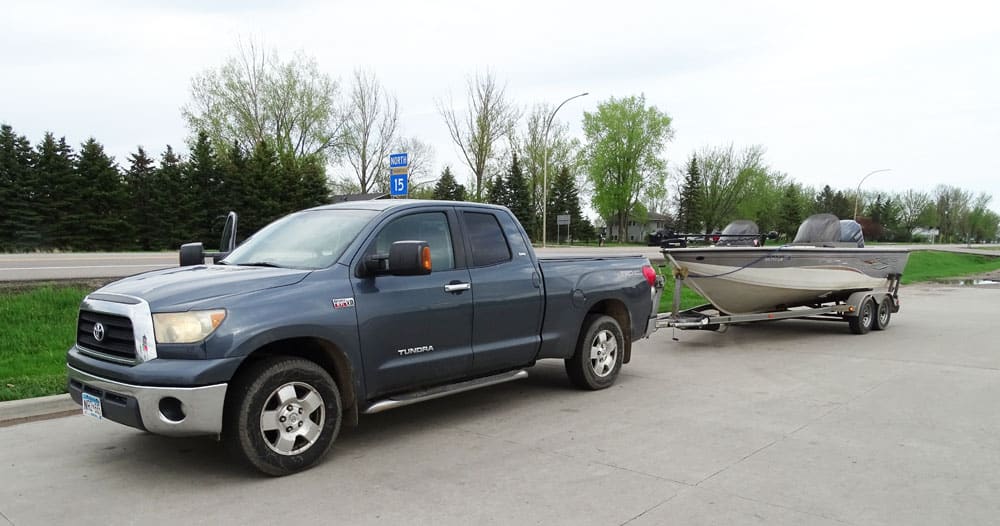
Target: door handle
[457,287]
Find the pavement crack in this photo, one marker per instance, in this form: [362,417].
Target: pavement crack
[6,519]
[788,508]
[752,453]
[653,507]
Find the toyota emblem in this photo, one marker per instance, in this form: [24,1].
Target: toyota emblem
[99,331]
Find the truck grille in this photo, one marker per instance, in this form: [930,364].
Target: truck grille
[118,344]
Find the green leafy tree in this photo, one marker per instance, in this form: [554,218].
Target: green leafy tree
[19,219]
[532,147]
[625,141]
[790,211]
[139,185]
[103,222]
[689,206]
[256,96]
[447,189]
[727,175]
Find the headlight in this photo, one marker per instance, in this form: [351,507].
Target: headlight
[186,327]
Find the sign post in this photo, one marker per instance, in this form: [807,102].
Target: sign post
[562,219]
[399,171]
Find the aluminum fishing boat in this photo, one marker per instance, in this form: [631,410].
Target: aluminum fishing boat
[827,262]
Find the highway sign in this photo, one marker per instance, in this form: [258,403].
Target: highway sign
[397,160]
[399,184]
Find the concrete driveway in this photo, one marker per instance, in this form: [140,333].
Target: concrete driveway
[796,422]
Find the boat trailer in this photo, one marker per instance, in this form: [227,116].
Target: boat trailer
[863,310]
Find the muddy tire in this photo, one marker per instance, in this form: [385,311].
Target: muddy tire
[282,415]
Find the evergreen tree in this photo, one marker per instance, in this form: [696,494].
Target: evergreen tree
[57,193]
[19,220]
[202,176]
[564,197]
[497,193]
[519,196]
[264,189]
[169,195]
[143,215]
[689,208]
[103,216]
[447,189]
[790,211]
[233,188]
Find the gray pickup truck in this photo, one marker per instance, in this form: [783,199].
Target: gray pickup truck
[345,309]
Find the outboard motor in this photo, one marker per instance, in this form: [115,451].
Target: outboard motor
[850,232]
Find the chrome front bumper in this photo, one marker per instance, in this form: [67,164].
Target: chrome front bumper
[201,408]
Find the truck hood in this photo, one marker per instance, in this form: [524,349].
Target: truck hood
[185,285]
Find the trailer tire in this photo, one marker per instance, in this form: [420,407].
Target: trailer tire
[884,314]
[599,353]
[283,416]
[863,322]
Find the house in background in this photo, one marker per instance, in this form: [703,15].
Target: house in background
[637,232]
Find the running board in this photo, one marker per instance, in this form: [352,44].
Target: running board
[437,392]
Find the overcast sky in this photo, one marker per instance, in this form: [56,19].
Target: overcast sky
[833,90]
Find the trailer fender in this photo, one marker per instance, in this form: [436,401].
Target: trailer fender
[858,298]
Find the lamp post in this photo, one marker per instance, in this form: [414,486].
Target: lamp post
[545,164]
[857,193]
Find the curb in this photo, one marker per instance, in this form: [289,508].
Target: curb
[41,408]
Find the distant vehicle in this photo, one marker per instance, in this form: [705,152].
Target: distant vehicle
[344,309]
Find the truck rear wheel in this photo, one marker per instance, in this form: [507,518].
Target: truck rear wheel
[599,353]
[283,415]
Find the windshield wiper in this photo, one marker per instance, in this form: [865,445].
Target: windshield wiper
[260,264]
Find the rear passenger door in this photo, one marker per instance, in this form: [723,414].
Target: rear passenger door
[506,291]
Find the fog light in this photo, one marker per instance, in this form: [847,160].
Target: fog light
[172,410]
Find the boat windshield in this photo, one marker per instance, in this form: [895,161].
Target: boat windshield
[739,233]
[311,239]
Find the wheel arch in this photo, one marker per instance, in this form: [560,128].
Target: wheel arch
[617,310]
[321,352]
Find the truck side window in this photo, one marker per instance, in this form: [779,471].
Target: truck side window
[431,227]
[489,245]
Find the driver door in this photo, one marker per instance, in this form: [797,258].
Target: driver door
[413,332]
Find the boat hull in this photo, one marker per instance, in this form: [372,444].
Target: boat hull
[745,280]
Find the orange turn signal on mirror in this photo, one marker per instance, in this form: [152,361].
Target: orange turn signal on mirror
[425,258]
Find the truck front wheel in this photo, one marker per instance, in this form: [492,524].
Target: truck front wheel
[599,353]
[283,415]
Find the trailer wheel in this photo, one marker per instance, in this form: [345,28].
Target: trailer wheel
[283,416]
[863,322]
[599,353]
[884,314]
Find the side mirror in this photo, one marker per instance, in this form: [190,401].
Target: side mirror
[228,240]
[192,254]
[410,258]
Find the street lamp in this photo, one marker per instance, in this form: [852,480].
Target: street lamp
[545,164]
[857,193]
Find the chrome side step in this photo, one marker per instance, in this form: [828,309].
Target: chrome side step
[444,390]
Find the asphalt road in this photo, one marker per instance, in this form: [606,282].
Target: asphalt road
[795,422]
[28,267]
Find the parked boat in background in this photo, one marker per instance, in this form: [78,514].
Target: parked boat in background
[826,262]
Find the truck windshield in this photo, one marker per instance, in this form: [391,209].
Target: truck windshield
[310,240]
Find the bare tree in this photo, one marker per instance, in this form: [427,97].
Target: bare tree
[726,177]
[563,150]
[490,117]
[913,204]
[369,133]
[255,97]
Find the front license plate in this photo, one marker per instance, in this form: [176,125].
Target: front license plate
[92,406]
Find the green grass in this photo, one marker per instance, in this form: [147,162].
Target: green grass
[37,326]
[689,298]
[928,265]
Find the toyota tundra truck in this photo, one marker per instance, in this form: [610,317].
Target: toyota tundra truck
[347,309]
